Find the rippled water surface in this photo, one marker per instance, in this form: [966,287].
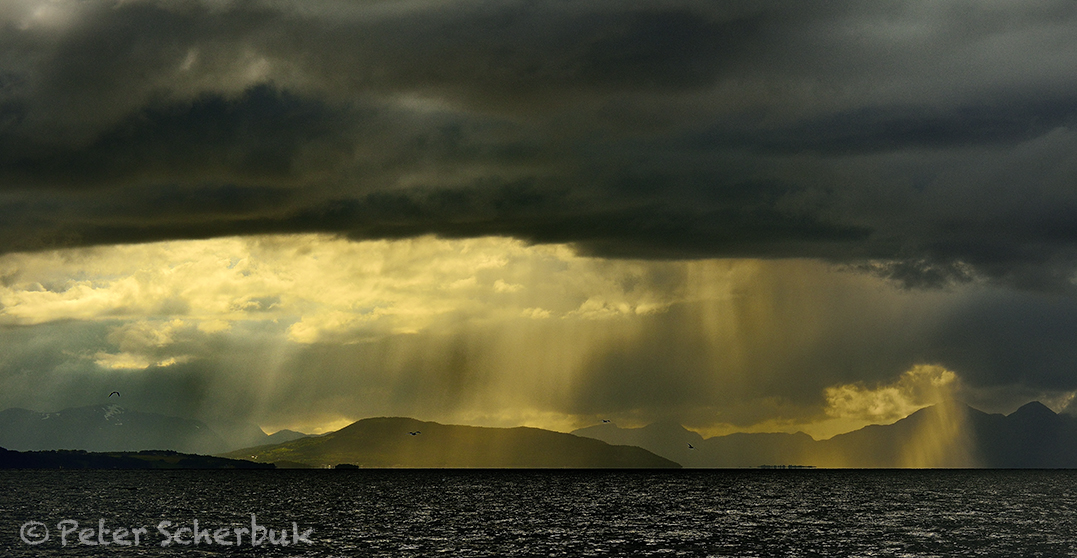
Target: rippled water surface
[547,513]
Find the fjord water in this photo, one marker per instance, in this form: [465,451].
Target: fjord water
[553,513]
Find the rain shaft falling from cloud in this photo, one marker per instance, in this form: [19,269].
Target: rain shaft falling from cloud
[310,330]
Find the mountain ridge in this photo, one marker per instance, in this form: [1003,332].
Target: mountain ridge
[402,442]
[948,435]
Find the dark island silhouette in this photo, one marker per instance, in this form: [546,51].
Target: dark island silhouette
[146,459]
[395,443]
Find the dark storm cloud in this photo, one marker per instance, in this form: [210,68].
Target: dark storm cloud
[258,137]
[934,136]
[877,129]
[1025,339]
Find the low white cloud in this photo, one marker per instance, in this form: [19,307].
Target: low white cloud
[131,361]
[500,286]
[919,387]
[326,288]
[535,313]
[144,334]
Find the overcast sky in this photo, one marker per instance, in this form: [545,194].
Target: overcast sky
[744,215]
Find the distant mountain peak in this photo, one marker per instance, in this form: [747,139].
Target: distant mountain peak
[1032,410]
[669,426]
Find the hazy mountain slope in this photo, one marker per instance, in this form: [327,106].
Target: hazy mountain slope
[279,437]
[754,450]
[388,442]
[238,435]
[671,440]
[113,428]
[105,428]
[667,439]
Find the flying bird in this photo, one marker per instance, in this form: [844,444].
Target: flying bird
[605,420]
[690,446]
[415,433]
[116,393]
